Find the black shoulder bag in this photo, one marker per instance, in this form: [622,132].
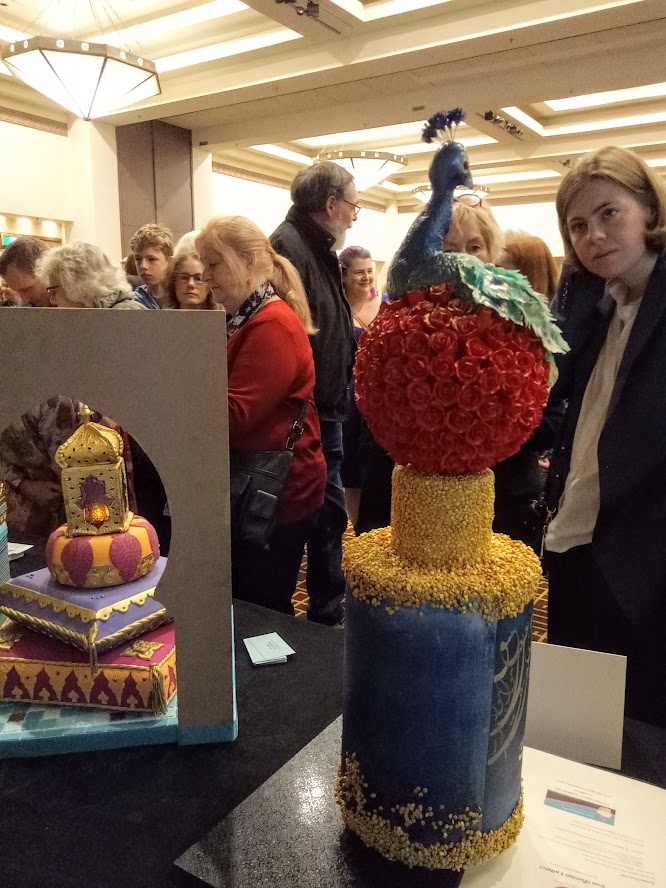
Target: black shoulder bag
[256,484]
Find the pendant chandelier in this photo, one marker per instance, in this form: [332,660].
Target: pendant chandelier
[89,79]
[367,167]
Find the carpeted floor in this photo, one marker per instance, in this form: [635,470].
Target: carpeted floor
[539,623]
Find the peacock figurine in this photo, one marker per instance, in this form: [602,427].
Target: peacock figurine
[421,259]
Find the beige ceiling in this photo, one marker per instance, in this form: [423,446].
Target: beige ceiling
[367,73]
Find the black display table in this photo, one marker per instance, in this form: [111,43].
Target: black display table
[119,819]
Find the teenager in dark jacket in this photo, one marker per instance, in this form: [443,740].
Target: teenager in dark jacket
[606,542]
[325,205]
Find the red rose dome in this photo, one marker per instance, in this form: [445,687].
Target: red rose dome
[449,387]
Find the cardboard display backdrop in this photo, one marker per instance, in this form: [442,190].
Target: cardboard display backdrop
[162,376]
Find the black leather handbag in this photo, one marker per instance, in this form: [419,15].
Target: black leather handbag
[257,480]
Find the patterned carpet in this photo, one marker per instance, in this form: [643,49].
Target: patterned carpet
[539,623]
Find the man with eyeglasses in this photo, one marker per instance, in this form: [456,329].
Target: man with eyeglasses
[17,268]
[325,206]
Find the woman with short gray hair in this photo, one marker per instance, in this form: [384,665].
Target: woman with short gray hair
[80,275]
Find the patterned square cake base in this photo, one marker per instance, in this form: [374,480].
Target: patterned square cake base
[138,675]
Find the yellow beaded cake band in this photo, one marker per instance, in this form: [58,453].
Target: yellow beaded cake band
[374,827]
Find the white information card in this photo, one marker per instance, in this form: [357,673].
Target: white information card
[583,827]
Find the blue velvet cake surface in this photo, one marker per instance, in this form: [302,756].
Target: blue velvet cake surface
[436,699]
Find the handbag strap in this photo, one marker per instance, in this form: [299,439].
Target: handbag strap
[298,427]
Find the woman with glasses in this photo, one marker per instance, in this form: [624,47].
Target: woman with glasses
[271,381]
[81,275]
[183,286]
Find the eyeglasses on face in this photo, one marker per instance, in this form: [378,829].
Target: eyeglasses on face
[356,207]
[469,199]
[184,278]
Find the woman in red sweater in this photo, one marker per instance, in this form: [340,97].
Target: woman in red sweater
[270,377]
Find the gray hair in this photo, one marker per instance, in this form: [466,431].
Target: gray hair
[86,274]
[313,185]
[187,243]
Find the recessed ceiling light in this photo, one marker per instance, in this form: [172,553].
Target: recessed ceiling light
[224,50]
[383,8]
[515,177]
[588,126]
[632,94]
[9,35]
[371,134]
[148,31]
[423,147]
[285,153]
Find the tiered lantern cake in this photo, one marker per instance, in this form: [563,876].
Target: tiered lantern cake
[452,377]
[97,595]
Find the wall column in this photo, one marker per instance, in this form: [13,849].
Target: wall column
[95,186]
[202,186]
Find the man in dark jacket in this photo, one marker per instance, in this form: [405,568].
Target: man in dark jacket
[325,205]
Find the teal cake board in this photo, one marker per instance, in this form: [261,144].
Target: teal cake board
[30,729]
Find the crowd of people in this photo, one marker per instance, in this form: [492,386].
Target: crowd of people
[295,312]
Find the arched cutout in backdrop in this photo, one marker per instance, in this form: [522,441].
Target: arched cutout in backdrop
[161,375]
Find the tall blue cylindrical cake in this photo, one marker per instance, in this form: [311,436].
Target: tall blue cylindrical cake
[437,649]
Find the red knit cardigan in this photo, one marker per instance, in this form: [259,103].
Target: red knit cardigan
[270,374]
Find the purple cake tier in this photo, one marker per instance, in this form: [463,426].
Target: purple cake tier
[93,620]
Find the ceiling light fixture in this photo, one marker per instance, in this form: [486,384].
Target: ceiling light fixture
[367,167]
[311,11]
[423,193]
[587,126]
[89,79]
[503,123]
[610,97]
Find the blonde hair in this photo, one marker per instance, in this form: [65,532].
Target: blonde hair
[87,275]
[531,256]
[490,230]
[238,240]
[153,236]
[169,298]
[627,169]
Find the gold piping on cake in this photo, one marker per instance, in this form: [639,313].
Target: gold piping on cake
[85,614]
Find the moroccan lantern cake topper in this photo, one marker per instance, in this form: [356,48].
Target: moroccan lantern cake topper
[94,482]
[454,372]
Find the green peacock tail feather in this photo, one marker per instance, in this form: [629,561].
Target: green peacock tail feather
[509,293]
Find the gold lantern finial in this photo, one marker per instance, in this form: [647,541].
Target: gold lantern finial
[94,482]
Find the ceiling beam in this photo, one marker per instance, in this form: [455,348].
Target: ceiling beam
[378,52]
[332,21]
[508,77]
